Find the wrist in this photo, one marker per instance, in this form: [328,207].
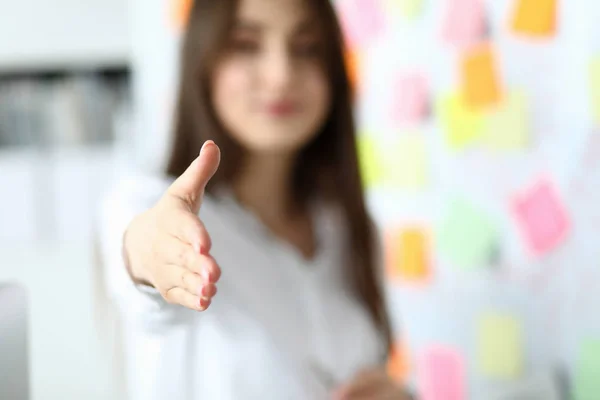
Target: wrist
[136,275]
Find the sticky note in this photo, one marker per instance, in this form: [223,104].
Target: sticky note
[507,126]
[536,18]
[372,167]
[352,60]
[480,82]
[462,125]
[408,254]
[500,346]
[541,217]
[411,98]
[586,382]
[361,20]
[464,22]
[406,162]
[467,236]
[410,8]
[180,12]
[398,364]
[441,375]
[595,88]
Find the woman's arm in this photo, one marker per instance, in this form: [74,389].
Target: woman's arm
[156,249]
[139,303]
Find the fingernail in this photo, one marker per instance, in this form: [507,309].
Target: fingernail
[204,291]
[206,275]
[202,250]
[204,303]
[206,144]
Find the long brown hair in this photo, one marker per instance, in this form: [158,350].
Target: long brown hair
[326,167]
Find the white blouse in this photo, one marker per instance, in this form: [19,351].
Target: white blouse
[280,327]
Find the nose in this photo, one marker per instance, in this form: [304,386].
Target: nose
[278,69]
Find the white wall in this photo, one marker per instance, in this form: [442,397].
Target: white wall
[46,33]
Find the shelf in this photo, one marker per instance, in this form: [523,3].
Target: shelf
[63,34]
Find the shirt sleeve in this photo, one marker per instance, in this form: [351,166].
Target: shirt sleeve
[139,304]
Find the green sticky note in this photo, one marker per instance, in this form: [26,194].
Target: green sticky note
[586,383]
[500,347]
[595,87]
[406,162]
[467,236]
[507,127]
[462,125]
[370,161]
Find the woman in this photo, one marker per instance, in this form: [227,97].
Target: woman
[274,217]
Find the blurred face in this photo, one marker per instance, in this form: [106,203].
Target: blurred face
[269,89]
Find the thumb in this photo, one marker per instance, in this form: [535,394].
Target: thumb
[189,187]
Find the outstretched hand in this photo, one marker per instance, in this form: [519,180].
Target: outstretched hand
[168,246]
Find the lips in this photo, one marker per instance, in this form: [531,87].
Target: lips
[282,108]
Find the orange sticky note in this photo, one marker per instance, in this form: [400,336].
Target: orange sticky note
[480,83]
[352,61]
[407,255]
[180,12]
[398,364]
[535,17]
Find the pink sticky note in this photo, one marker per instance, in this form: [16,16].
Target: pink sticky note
[465,22]
[361,20]
[542,217]
[441,375]
[410,104]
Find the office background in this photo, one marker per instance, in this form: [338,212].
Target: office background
[478,140]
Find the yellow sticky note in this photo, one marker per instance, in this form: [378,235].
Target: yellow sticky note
[406,162]
[408,252]
[410,8]
[500,346]
[370,161]
[535,17]
[462,125]
[507,127]
[595,87]
[480,83]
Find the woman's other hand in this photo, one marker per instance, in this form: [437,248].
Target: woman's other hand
[168,247]
[373,384]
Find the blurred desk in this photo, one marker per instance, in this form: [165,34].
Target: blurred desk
[65,356]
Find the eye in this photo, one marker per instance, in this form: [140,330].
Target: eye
[306,46]
[243,45]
